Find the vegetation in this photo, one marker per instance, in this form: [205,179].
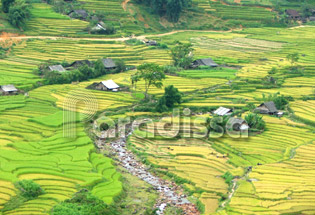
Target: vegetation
[293,58]
[6,5]
[19,13]
[182,55]
[280,100]
[31,134]
[82,73]
[171,97]
[255,122]
[151,73]
[172,9]
[84,203]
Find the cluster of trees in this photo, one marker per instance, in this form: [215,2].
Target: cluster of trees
[280,100]
[171,97]
[26,190]
[182,55]
[18,12]
[255,121]
[84,203]
[29,189]
[84,72]
[153,75]
[172,9]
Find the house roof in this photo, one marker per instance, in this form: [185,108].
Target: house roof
[291,12]
[234,120]
[81,13]
[109,63]
[151,42]
[9,88]
[110,84]
[221,111]
[78,63]
[100,26]
[58,68]
[206,62]
[270,106]
[244,126]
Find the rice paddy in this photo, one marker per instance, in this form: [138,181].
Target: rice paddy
[31,133]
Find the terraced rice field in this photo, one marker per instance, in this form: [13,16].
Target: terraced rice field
[202,162]
[33,146]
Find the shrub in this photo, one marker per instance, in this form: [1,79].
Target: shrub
[19,12]
[255,121]
[84,203]
[29,189]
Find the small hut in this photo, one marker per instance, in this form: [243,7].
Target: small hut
[267,108]
[108,85]
[238,124]
[58,68]
[109,63]
[151,43]
[8,90]
[222,111]
[101,26]
[79,63]
[293,14]
[204,62]
[78,14]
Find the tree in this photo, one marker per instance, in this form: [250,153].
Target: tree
[161,105]
[280,100]
[99,68]
[174,9]
[182,55]
[152,74]
[171,97]
[120,66]
[19,12]
[293,58]
[6,5]
[255,121]
[29,189]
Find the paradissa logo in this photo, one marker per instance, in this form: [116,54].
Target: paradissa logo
[179,124]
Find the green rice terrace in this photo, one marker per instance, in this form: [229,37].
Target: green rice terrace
[125,107]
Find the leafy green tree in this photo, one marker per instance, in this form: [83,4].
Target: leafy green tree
[255,121]
[99,68]
[152,74]
[280,100]
[84,203]
[182,54]
[171,8]
[29,189]
[161,105]
[293,58]
[6,5]
[19,12]
[120,66]
[171,97]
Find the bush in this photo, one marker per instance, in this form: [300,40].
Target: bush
[84,203]
[171,97]
[6,5]
[255,122]
[19,12]
[29,189]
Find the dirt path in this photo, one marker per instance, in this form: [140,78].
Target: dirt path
[141,37]
[124,4]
